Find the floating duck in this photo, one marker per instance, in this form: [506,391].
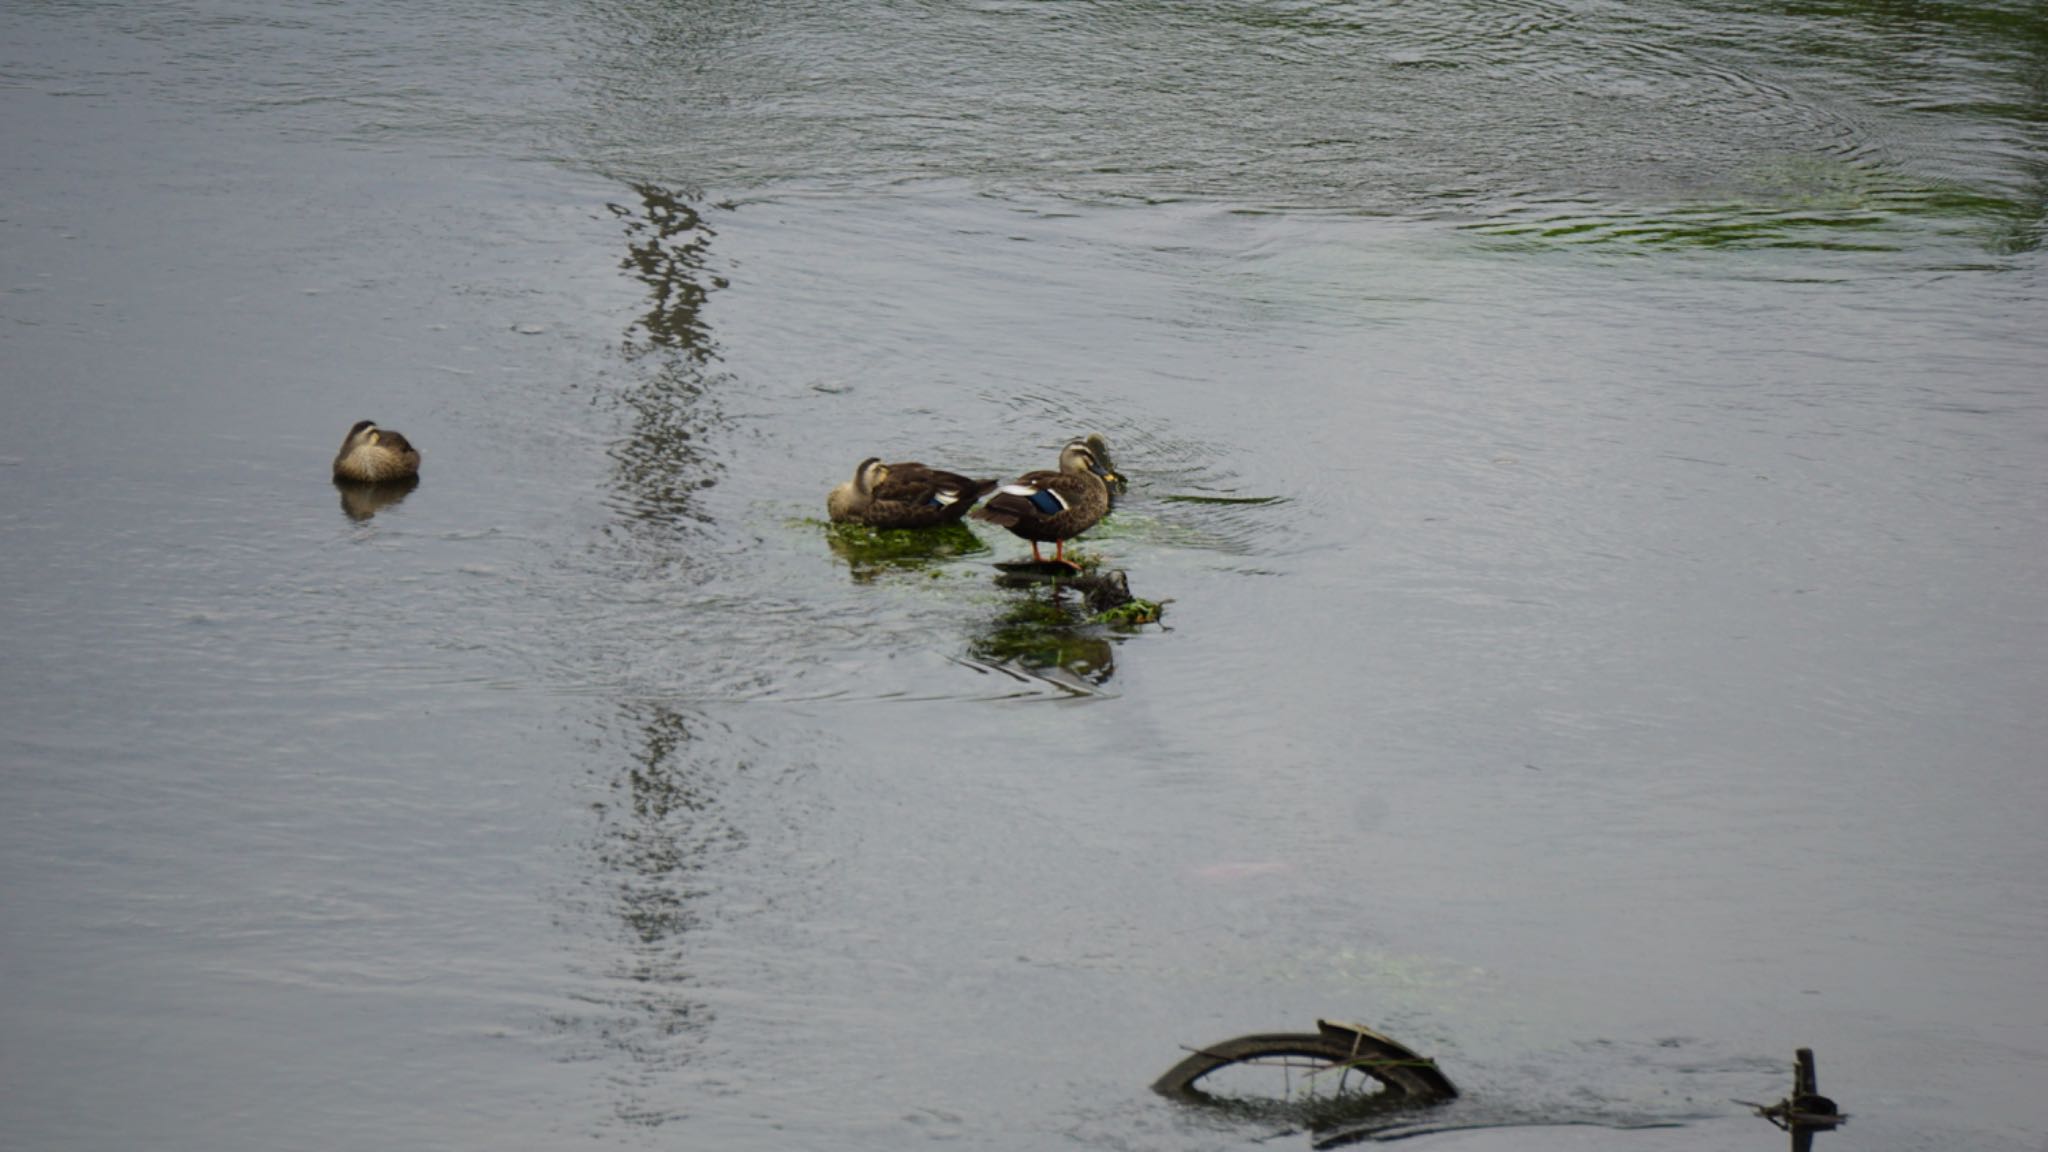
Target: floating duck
[904,495]
[373,455]
[1053,507]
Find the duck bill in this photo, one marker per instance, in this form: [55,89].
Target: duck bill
[1115,480]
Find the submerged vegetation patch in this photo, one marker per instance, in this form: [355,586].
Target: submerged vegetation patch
[869,552]
[1131,613]
[1189,498]
[1714,226]
[1804,202]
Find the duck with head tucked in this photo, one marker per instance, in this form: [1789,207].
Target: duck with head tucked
[904,495]
[373,455]
[1054,507]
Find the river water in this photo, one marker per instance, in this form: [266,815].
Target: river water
[1595,455]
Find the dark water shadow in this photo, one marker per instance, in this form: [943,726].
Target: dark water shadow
[660,829]
[1389,1131]
[664,464]
[660,772]
[1329,1121]
[361,502]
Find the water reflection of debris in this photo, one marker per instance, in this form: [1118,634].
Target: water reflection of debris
[1107,594]
[1043,636]
[1062,631]
[360,502]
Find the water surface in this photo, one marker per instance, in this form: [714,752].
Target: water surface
[1594,454]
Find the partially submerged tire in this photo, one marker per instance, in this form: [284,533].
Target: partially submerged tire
[1339,1055]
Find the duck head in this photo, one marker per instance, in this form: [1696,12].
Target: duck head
[1097,450]
[364,432]
[1076,457]
[870,475]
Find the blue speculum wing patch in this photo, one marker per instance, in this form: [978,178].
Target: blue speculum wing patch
[1047,502]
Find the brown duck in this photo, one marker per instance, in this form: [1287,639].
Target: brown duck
[373,455]
[1053,506]
[904,495]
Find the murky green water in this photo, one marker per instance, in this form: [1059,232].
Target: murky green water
[1594,455]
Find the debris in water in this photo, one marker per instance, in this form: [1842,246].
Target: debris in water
[1805,1111]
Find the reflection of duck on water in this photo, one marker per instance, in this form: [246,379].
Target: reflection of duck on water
[361,501]
[373,455]
[903,495]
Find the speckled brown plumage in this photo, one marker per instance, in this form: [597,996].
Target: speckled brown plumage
[904,495]
[1052,507]
[373,455]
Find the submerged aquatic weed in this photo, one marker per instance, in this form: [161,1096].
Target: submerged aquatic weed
[1131,613]
[870,551]
[1192,498]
